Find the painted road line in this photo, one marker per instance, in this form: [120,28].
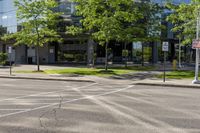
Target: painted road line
[12,109]
[39,94]
[69,101]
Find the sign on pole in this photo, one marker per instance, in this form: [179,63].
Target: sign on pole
[165,47]
[9,49]
[10,52]
[195,44]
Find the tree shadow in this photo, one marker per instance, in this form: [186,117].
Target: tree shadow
[135,76]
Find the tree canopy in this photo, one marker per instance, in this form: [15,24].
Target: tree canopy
[3,31]
[121,20]
[105,18]
[118,20]
[37,19]
[184,19]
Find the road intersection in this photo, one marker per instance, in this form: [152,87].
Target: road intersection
[34,106]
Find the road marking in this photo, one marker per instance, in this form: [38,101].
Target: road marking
[183,111]
[8,85]
[68,101]
[139,115]
[136,119]
[39,94]
[12,109]
[25,103]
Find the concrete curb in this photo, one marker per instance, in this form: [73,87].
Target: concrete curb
[49,79]
[168,85]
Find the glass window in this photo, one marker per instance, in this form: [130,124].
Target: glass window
[67,7]
[8,15]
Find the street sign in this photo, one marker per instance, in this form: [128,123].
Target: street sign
[195,44]
[10,53]
[51,51]
[165,47]
[9,49]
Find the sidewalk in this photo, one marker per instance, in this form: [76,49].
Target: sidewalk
[140,78]
[182,83]
[5,73]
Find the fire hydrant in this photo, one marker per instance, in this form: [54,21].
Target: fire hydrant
[174,64]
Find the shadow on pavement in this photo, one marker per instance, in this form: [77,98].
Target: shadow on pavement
[135,76]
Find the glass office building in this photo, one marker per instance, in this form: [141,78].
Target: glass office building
[8,11]
[76,47]
[173,1]
[24,54]
[8,15]
[152,51]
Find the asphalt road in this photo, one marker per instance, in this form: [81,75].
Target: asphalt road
[30,106]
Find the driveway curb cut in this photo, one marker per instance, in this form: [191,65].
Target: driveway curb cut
[49,79]
[168,85]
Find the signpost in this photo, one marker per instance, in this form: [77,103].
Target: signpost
[165,48]
[196,45]
[10,52]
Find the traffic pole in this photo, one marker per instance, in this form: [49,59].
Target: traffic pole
[196,78]
[164,68]
[165,49]
[10,65]
[10,56]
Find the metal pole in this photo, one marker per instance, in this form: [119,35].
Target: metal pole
[196,80]
[164,66]
[10,65]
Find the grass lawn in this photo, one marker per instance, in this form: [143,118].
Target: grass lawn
[179,74]
[94,71]
[89,71]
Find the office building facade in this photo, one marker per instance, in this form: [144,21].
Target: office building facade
[24,54]
[75,49]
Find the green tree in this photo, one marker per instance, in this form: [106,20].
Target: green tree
[146,29]
[183,17]
[38,21]
[3,31]
[152,23]
[104,19]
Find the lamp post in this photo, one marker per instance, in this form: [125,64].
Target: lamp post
[196,79]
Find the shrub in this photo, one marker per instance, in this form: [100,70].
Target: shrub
[125,53]
[79,57]
[3,58]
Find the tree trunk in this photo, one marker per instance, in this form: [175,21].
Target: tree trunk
[37,48]
[106,59]
[90,53]
[38,59]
